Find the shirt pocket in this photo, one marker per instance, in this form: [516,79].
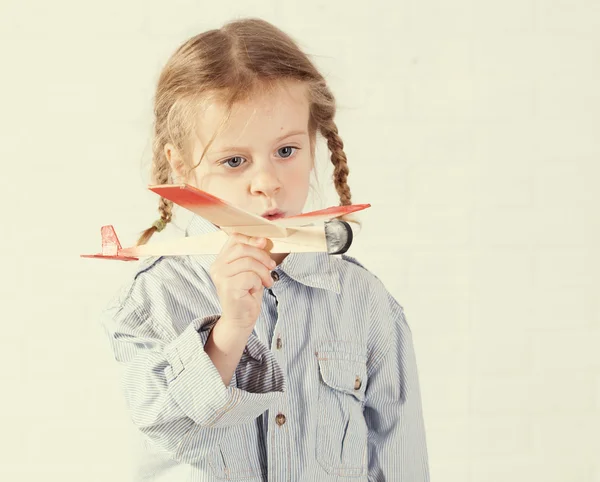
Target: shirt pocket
[239,454]
[341,439]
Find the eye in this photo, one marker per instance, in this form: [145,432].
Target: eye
[289,150]
[233,162]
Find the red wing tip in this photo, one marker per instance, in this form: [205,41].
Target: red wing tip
[334,211]
[164,190]
[158,188]
[357,207]
[164,187]
[119,258]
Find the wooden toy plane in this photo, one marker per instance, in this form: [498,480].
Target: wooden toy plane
[294,234]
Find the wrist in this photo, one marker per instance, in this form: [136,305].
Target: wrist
[232,330]
[237,327]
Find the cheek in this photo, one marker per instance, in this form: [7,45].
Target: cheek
[205,180]
[228,188]
[302,167]
[198,177]
[297,180]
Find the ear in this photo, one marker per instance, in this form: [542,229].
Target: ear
[175,160]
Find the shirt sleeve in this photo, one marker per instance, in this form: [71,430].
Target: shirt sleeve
[174,394]
[396,441]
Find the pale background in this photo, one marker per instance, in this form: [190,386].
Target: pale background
[471,126]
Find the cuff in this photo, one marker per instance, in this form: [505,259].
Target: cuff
[197,387]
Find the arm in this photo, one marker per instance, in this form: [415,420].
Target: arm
[224,347]
[397,442]
[175,395]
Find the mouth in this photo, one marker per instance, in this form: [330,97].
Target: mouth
[273,214]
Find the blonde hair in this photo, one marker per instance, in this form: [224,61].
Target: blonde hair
[230,64]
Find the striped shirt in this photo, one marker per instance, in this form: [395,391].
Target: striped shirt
[326,389]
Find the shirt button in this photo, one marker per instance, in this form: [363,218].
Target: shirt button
[275,275]
[280,419]
[279,343]
[357,383]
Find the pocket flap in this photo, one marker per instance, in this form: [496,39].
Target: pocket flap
[344,373]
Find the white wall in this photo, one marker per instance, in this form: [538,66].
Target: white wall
[470,126]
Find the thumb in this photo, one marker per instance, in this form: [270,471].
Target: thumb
[257,292]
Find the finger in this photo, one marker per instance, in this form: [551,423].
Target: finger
[238,238]
[242,283]
[245,250]
[258,289]
[234,242]
[235,238]
[258,286]
[248,265]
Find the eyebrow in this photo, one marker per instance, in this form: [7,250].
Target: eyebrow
[285,136]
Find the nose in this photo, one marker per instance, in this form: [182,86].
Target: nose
[265,181]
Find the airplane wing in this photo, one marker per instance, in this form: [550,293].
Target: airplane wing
[320,215]
[222,214]
[290,234]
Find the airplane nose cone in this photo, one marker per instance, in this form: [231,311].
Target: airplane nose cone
[338,235]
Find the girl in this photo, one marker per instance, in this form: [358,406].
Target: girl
[249,365]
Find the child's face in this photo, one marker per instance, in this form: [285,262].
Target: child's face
[246,164]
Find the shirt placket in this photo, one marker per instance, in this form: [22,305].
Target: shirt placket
[277,433]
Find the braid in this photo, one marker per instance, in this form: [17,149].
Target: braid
[339,161]
[160,175]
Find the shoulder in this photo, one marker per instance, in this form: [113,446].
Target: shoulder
[347,265]
[354,272]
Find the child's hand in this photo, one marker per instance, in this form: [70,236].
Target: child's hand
[241,272]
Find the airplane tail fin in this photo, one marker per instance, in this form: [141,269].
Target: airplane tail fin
[111,247]
[110,242]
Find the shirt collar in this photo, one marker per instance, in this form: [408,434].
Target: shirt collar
[317,270]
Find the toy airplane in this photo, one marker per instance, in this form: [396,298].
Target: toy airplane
[286,235]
